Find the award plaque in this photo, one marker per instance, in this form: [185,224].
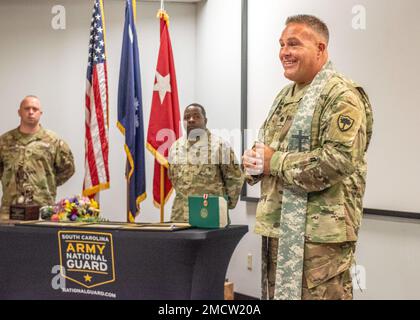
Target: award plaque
[24,212]
[24,207]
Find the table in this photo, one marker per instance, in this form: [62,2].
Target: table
[183,264]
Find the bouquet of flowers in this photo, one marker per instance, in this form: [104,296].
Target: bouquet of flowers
[78,208]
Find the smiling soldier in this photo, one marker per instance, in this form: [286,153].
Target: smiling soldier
[310,159]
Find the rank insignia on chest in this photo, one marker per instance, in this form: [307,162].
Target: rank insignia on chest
[208,212]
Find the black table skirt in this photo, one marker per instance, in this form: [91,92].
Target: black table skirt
[184,264]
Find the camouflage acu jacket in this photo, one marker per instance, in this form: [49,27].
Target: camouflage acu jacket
[46,160]
[206,166]
[333,172]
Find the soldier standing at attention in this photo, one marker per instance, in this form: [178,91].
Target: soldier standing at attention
[33,154]
[202,163]
[310,159]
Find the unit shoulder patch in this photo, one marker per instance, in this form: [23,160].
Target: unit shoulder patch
[345,123]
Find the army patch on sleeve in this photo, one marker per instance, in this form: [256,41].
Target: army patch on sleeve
[345,123]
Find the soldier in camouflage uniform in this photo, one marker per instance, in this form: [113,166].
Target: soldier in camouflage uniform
[332,171]
[202,163]
[32,157]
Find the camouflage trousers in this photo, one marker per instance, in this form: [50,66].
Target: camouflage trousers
[326,271]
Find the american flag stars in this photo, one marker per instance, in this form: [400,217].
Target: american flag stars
[96,43]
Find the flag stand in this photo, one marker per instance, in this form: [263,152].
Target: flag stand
[162,193]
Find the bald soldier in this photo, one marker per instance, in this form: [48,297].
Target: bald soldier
[202,163]
[32,157]
[310,159]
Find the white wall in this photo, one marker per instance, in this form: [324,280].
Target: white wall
[389,251]
[36,59]
[387,247]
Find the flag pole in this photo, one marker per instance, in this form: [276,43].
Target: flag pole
[162,170]
[97,198]
[134,5]
[128,201]
[162,193]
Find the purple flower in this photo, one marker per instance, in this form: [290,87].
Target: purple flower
[73,217]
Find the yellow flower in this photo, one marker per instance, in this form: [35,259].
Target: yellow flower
[62,216]
[94,204]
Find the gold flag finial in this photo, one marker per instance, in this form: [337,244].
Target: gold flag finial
[162,14]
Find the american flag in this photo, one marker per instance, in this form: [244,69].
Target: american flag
[97,114]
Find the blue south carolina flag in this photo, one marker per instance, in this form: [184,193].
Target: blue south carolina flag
[130,114]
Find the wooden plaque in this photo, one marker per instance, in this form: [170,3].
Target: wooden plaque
[24,212]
